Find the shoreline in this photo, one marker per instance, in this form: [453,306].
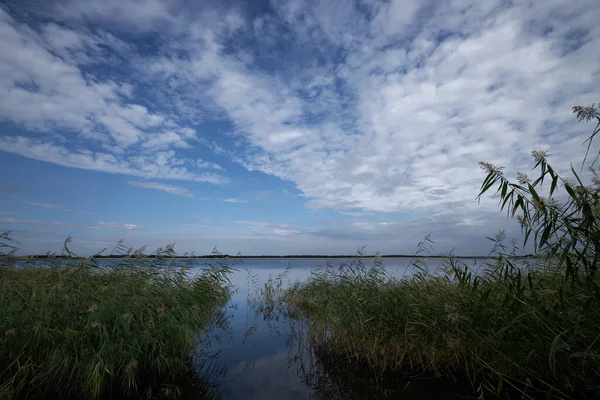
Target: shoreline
[227,257]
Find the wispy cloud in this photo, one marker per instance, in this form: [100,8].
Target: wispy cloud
[49,92]
[272,228]
[48,205]
[16,221]
[112,226]
[162,165]
[205,225]
[203,164]
[354,213]
[235,200]
[174,190]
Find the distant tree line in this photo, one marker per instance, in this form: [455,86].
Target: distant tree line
[213,256]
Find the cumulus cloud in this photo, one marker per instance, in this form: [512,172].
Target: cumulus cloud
[174,190]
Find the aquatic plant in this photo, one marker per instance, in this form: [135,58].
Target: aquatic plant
[87,329]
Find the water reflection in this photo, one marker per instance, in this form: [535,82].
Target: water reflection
[260,354]
[331,376]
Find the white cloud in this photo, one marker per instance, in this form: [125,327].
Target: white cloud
[424,123]
[143,15]
[389,115]
[161,165]
[174,190]
[43,91]
[166,140]
[235,200]
[203,164]
[16,221]
[112,226]
[48,205]
[354,213]
[337,236]
[51,80]
[272,228]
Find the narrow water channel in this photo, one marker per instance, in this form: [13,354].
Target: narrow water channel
[255,356]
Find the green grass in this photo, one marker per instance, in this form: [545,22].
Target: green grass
[80,331]
[505,329]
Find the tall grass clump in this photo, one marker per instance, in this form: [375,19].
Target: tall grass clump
[89,329]
[508,327]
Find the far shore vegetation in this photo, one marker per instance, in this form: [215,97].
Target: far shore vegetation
[242,257]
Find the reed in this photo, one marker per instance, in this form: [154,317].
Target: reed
[504,327]
[72,329]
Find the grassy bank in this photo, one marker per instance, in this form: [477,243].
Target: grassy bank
[75,330]
[505,330]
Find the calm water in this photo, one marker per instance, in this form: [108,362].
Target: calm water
[258,358]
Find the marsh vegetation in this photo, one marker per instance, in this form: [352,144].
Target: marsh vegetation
[72,329]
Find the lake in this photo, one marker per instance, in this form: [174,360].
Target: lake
[260,358]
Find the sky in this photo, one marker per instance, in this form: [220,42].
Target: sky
[284,127]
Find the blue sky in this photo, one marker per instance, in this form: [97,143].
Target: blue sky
[281,127]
